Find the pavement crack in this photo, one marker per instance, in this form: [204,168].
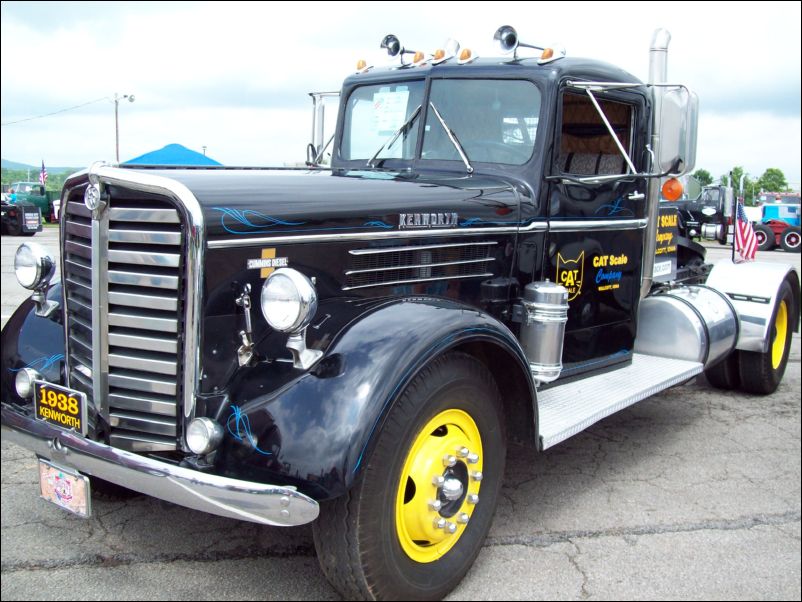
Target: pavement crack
[554,537]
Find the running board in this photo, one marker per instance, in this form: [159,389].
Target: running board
[565,410]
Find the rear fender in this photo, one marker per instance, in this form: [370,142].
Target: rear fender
[318,430]
[752,287]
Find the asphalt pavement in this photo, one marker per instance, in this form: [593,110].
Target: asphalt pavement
[691,494]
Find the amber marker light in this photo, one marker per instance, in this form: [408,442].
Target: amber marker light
[547,54]
[465,55]
[439,54]
[417,57]
[672,189]
[361,64]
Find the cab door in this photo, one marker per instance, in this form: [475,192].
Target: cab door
[596,227]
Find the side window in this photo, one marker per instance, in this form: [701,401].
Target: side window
[586,146]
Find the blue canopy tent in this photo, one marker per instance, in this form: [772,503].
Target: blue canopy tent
[172,154]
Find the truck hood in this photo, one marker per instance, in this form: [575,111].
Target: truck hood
[251,204]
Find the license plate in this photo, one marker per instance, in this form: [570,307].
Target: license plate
[32,220]
[65,488]
[60,406]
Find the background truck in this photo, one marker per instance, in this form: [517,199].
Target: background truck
[485,261]
[779,225]
[708,216]
[21,218]
[34,193]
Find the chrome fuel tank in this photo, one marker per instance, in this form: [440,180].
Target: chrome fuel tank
[695,323]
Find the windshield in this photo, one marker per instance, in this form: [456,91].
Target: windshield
[374,115]
[495,121]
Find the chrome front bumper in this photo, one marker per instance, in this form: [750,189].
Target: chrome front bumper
[243,500]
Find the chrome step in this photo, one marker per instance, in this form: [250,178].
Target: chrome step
[565,410]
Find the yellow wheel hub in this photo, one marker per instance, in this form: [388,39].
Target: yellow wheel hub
[438,488]
[781,327]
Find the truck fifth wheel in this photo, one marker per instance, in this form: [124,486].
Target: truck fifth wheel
[352,346]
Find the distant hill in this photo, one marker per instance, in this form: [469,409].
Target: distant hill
[6,164]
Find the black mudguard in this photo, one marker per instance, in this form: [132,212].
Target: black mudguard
[318,430]
[31,341]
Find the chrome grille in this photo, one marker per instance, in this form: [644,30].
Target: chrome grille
[418,263]
[141,283]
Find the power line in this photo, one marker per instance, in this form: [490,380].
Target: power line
[56,112]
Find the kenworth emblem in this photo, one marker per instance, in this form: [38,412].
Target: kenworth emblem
[427,220]
[569,274]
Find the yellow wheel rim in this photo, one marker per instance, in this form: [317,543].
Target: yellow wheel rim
[781,328]
[438,488]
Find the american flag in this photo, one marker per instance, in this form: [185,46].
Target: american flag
[43,175]
[745,240]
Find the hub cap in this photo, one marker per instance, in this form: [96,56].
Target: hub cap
[781,332]
[427,530]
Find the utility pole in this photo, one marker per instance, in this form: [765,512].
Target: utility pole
[117,99]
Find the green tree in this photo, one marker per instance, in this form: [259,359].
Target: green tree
[703,177]
[773,180]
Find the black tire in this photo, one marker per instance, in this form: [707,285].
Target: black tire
[790,239]
[761,373]
[361,537]
[765,237]
[15,225]
[725,374]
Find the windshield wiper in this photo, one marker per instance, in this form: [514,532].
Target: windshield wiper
[395,136]
[453,137]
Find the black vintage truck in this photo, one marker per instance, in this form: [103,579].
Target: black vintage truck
[353,347]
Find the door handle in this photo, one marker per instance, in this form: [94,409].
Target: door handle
[636,196]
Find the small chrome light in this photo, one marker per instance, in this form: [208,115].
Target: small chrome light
[288,300]
[203,435]
[33,265]
[24,382]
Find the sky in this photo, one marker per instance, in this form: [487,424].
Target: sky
[235,77]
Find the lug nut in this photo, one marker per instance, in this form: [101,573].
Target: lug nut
[449,460]
[473,458]
[439,523]
[451,528]
[476,475]
[438,480]
[463,452]
[473,498]
[436,505]
[463,518]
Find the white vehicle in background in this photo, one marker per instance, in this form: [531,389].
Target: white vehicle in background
[56,208]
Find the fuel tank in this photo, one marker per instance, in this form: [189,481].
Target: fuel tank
[695,323]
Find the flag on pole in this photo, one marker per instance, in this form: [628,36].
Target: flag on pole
[745,239]
[43,175]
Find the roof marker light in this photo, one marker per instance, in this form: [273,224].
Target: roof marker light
[466,56]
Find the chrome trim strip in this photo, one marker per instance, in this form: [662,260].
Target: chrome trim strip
[421,265]
[415,280]
[195,248]
[541,226]
[148,385]
[146,237]
[143,424]
[141,442]
[100,307]
[233,498]
[419,247]
[142,404]
[143,322]
[162,260]
[143,280]
[145,343]
[597,225]
[144,301]
[145,364]
[161,216]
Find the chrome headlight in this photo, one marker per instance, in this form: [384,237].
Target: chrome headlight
[24,382]
[289,300]
[203,436]
[33,265]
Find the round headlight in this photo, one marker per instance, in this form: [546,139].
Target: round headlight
[33,265]
[203,436]
[24,382]
[289,300]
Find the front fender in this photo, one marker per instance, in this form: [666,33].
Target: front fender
[319,429]
[31,341]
